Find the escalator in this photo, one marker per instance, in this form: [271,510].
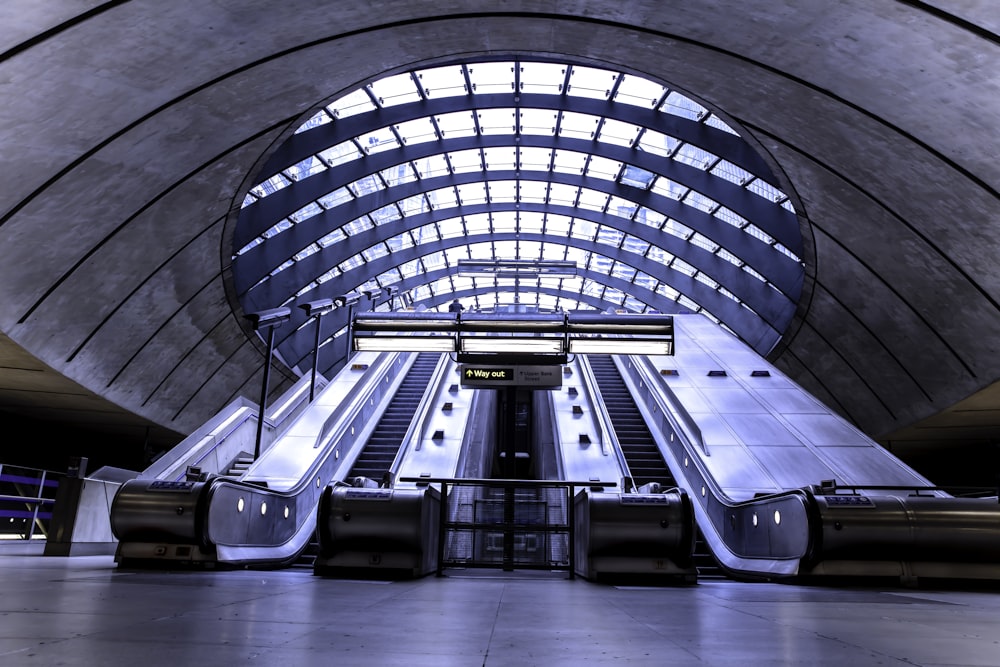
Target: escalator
[645,462]
[383,445]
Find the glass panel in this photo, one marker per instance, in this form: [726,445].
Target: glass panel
[496,121]
[557,225]
[533,191]
[622,271]
[537,121]
[417,131]
[378,140]
[500,158]
[432,166]
[667,188]
[306,168]
[457,124]
[401,173]
[278,228]
[271,185]
[719,124]
[731,217]
[592,199]
[331,238]
[490,78]
[340,154]
[535,159]
[591,82]
[683,267]
[302,254]
[477,224]
[393,90]
[638,91]
[336,198]
[320,118]
[501,191]
[569,162]
[694,156]
[703,242]
[650,218]
[618,133]
[425,234]
[636,177]
[623,208]
[578,125]
[505,222]
[546,78]
[609,236]
[472,193]
[413,205]
[442,81]
[530,249]
[351,104]
[633,305]
[729,171]
[601,167]
[668,291]
[466,161]
[443,198]
[563,194]
[658,143]
[451,228]
[385,215]
[306,212]
[679,105]
[645,280]
[365,186]
[635,246]
[374,252]
[358,225]
[452,255]
[351,263]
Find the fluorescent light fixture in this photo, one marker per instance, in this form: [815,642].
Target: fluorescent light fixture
[508,344]
[404,344]
[619,346]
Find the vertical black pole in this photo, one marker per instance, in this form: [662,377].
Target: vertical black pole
[312,381]
[442,528]
[263,393]
[350,331]
[571,521]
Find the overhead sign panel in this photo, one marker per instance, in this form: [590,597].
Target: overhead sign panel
[538,377]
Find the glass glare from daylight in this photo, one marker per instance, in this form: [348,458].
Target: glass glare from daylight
[659,202]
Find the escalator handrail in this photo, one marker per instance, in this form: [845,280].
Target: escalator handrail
[414,436]
[334,429]
[714,536]
[603,418]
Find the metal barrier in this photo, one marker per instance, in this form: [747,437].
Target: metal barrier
[508,523]
[26,498]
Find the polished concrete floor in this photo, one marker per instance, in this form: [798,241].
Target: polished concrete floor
[84,611]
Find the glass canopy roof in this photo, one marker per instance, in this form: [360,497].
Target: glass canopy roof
[660,203]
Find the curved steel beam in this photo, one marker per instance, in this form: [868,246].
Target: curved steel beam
[723,144]
[740,319]
[261,215]
[766,301]
[784,272]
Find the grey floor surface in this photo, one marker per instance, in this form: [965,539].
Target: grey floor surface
[84,611]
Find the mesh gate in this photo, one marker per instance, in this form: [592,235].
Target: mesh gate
[523,524]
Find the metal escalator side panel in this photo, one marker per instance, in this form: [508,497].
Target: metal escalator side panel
[764,538]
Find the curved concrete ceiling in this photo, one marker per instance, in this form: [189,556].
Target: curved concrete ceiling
[132,131]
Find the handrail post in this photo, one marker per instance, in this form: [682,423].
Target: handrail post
[571,521]
[442,528]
